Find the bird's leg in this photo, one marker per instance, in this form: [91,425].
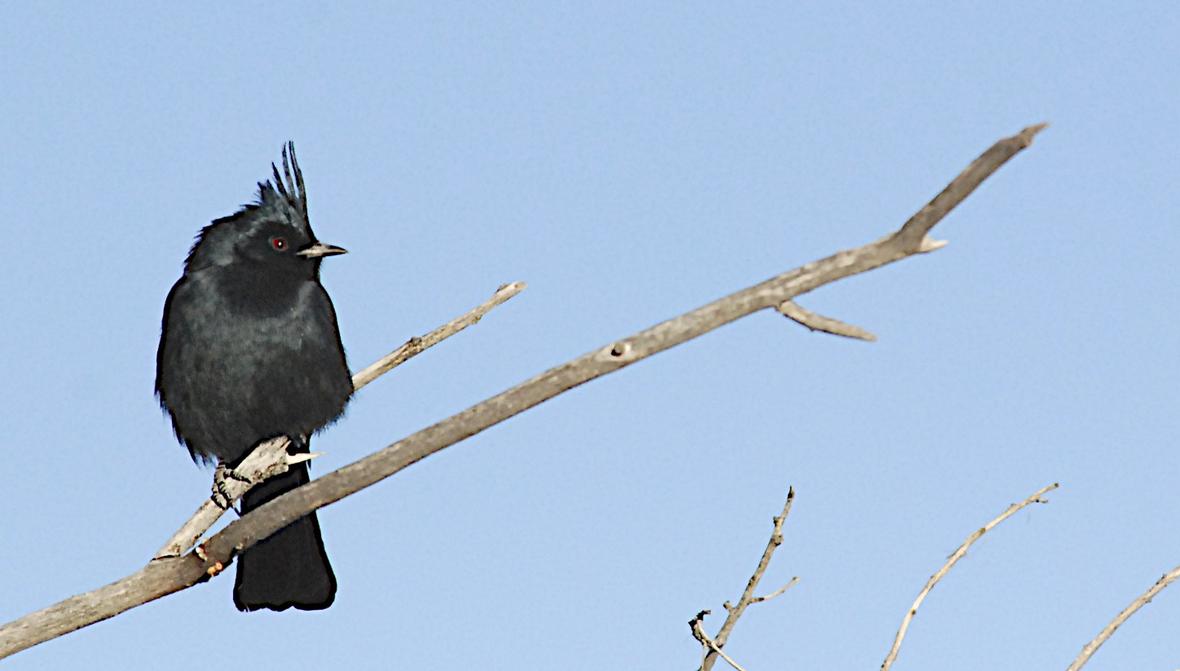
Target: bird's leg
[221,494]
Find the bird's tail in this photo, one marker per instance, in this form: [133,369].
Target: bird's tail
[290,568]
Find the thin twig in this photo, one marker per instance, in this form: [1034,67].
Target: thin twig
[951,561]
[817,322]
[415,346]
[776,593]
[166,576]
[270,458]
[747,597]
[1090,648]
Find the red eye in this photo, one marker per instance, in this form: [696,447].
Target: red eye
[278,243]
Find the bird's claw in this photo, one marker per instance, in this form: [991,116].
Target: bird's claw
[221,495]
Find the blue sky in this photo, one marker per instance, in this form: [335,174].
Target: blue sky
[629,163]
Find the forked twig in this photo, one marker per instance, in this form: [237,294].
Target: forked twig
[735,612]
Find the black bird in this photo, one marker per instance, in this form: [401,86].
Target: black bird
[249,351]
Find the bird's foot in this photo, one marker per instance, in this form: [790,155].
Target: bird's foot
[222,496]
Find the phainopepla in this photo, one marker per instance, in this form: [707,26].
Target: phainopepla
[250,350]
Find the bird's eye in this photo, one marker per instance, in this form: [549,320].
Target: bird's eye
[279,244]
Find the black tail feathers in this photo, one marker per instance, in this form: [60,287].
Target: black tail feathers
[291,568]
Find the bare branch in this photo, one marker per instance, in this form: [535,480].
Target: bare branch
[271,458]
[951,561]
[1092,647]
[747,597]
[415,346]
[173,575]
[268,459]
[910,239]
[794,311]
[778,592]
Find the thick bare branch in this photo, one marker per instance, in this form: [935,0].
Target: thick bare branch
[950,562]
[271,458]
[1092,647]
[907,241]
[220,549]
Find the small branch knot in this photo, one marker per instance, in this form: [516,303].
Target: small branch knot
[621,349]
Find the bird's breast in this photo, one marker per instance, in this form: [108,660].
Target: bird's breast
[250,371]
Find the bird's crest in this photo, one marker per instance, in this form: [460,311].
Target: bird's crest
[284,199]
[289,185]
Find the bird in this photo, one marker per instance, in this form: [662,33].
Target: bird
[250,350]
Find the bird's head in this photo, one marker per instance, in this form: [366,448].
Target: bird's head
[271,235]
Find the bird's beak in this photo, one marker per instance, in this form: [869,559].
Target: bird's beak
[320,249]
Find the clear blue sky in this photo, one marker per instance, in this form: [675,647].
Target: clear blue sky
[629,164]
